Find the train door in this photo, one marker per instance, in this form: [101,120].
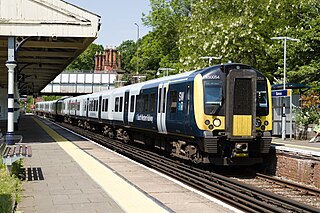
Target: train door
[126,108]
[75,107]
[241,104]
[100,108]
[188,106]
[161,109]
[176,108]
[87,107]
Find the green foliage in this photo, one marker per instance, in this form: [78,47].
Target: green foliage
[51,98]
[309,112]
[85,61]
[238,31]
[128,50]
[305,116]
[10,189]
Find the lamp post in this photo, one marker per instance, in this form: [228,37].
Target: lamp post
[283,120]
[164,69]
[137,72]
[210,58]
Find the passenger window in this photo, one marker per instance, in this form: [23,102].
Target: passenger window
[173,101]
[106,105]
[159,100]
[152,102]
[139,104]
[121,101]
[164,100]
[116,107]
[132,103]
[188,100]
[145,103]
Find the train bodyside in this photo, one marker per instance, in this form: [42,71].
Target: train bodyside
[219,115]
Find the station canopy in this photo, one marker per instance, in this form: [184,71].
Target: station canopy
[49,34]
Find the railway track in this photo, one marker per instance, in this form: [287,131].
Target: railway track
[237,193]
[289,189]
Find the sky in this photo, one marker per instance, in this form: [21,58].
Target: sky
[117,19]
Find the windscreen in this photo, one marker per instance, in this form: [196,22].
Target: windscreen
[212,96]
[262,99]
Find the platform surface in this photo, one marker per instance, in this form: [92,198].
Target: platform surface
[71,174]
[57,183]
[297,146]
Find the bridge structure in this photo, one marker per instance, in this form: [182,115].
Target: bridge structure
[107,74]
[73,83]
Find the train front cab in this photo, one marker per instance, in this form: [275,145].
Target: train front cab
[236,128]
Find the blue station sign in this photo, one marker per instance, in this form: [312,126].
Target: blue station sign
[281,93]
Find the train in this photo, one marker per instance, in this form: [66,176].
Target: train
[220,115]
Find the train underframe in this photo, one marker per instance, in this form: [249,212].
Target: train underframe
[217,150]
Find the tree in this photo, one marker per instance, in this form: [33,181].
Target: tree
[128,50]
[85,61]
[166,18]
[238,31]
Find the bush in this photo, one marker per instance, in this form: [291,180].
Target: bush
[10,188]
[305,116]
[309,112]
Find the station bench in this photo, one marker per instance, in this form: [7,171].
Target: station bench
[12,153]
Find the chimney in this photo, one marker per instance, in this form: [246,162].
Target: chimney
[107,57]
[114,65]
[96,61]
[102,61]
[119,61]
[111,58]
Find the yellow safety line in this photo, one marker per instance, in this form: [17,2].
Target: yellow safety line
[125,195]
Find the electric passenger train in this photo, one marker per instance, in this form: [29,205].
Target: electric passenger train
[219,115]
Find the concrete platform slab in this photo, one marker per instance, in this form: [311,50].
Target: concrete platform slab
[72,181]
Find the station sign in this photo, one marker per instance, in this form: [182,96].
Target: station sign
[281,93]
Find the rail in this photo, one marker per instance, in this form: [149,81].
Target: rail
[240,195]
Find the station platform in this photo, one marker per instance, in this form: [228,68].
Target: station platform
[302,147]
[68,173]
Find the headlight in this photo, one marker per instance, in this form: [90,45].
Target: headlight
[266,123]
[216,122]
[258,122]
[207,122]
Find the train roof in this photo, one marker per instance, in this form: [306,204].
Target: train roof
[135,88]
